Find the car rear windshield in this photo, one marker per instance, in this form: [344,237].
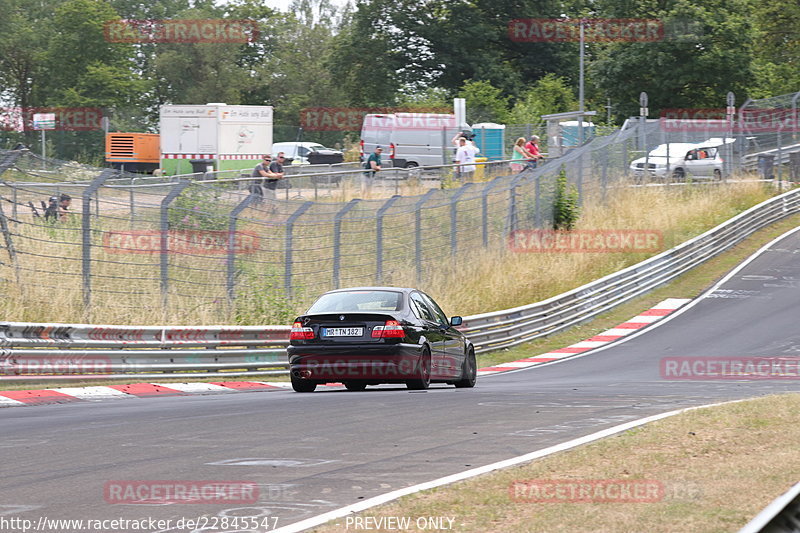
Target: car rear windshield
[336,302]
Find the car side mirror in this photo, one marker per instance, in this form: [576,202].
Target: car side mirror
[456,321]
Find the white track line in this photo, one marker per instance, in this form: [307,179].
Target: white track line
[318,520]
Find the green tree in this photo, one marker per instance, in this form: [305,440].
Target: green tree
[707,51]
[80,58]
[777,48]
[23,50]
[363,61]
[485,103]
[551,94]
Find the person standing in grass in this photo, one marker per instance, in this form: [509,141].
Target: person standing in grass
[373,165]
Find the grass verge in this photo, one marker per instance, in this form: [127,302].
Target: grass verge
[703,459]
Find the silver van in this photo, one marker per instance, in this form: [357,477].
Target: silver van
[410,139]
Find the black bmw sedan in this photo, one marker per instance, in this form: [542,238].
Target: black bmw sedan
[371,335]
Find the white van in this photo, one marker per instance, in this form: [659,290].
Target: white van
[410,139]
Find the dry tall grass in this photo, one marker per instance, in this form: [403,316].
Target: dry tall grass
[479,281]
[498,279]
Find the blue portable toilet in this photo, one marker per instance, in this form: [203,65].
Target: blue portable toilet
[571,132]
[490,139]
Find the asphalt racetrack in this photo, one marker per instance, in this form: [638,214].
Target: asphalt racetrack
[313,453]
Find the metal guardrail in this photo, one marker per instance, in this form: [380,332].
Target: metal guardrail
[501,329]
[782,156]
[780,516]
[138,351]
[78,350]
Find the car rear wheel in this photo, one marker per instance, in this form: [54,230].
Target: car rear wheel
[355,385]
[717,174]
[411,164]
[423,372]
[303,385]
[469,372]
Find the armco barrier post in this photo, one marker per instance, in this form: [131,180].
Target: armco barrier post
[231,260]
[287,255]
[164,242]
[454,216]
[86,234]
[379,237]
[418,232]
[337,239]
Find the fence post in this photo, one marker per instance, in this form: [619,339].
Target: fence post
[5,164]
[418,231]
[86,231]
[485,211]
[164,240]
[337,238]
[512,204]
[780,159]
[379,237]
[9,243]
[580,177]
[287,262]
[454,216]
[604,174]
[537,203]
[133,182]
[232,245]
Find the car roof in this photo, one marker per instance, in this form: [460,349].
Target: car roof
[291,143]
[392,289]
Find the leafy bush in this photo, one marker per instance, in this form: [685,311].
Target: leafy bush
[566,210]
[197,208]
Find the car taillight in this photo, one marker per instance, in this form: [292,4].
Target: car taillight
[299,333]
[362,148]
[392,329]
[391,151]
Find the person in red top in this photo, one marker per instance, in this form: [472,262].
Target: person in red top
[532,147]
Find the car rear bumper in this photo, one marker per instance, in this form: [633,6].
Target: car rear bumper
[378,364]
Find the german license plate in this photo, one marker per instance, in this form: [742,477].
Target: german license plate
[343,332]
